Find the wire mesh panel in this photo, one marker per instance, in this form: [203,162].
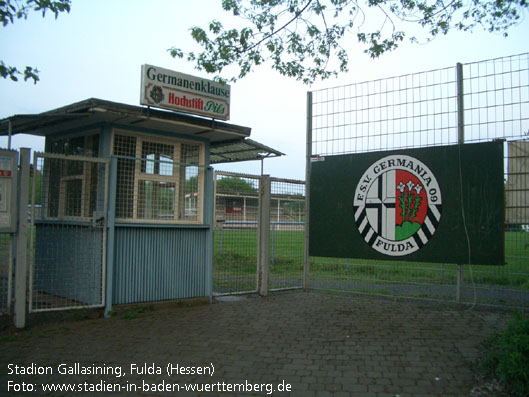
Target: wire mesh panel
[496,106]
[68,232]
[397,112]
[488,101]
[6,270]
[496,99]
[287,226]
[236,236]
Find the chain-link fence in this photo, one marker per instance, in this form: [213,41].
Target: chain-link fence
[474,102]
[67,232]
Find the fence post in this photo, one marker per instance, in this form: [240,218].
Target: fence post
[273,242]
[306,261]
[263,260]
[111,218]
[21,270]
[221,237]
[209,218]
[460,141]
[459,283]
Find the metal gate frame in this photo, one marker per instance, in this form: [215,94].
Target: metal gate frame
[6,299]
[97,216]
[268,189]
[286,273]
[219,227]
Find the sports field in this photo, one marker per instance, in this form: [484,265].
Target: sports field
[235,260]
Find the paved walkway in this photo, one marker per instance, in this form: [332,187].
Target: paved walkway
[315,344]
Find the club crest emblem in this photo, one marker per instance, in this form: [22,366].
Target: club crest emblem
[397,205]
[156,94]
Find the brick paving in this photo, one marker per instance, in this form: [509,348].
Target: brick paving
[320,344]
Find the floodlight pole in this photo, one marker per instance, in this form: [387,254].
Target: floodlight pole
[460,141]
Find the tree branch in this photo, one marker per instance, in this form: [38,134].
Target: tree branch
[278,30]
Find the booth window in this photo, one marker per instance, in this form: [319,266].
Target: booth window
[74,182]
[159,180]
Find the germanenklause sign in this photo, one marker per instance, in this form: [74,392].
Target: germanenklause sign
[171,90]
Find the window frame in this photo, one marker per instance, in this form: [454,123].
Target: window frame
[175,178]
[85,176]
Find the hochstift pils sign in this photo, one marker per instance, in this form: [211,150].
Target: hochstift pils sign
[171,90]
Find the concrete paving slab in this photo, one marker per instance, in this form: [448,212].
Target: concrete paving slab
[299,343]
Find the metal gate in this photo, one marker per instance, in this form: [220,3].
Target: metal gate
[287,231]
[6,272]
[68,232]
[237,202]
[259,231]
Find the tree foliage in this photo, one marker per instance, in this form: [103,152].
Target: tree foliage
[311,39]
[235,185]
[10,10]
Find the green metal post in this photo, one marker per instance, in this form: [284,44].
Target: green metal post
[111,219]
[21,269]
[306,262]
[263,261]
[460,141]
[209,218]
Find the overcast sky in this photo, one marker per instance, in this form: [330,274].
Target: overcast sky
[98,48]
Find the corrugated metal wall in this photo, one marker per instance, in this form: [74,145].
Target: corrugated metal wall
[68,263]
[153,264]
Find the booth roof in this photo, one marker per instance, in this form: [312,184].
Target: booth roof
[228,141]
[240,150]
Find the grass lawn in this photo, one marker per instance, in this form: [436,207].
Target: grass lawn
[239,247]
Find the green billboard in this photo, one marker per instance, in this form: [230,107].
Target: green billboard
[440,204]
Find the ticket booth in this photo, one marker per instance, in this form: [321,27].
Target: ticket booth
[125,200]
